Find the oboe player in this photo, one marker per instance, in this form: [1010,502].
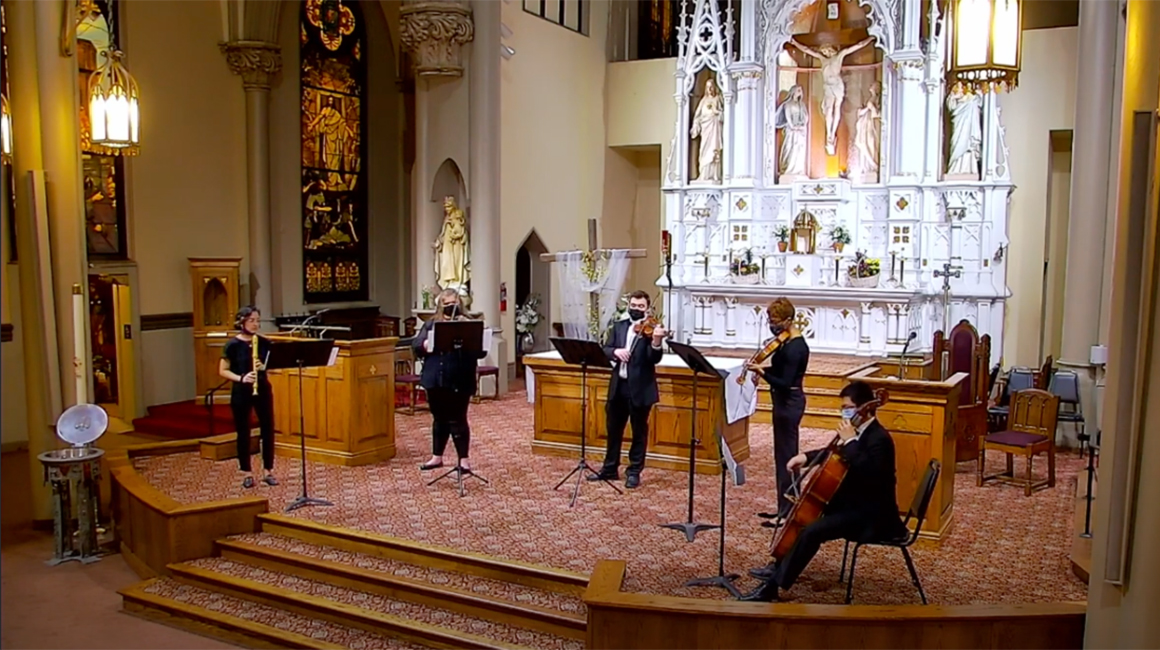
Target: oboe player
[244,365]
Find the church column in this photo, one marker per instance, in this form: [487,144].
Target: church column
[746,123]
[425,220]
[910,105]
[257,63]
[1091,155]
[484,182]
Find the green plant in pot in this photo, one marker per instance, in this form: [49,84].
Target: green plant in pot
[864,272]
[840,237]
[782,234]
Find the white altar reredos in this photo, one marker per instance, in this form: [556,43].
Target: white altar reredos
[727,205]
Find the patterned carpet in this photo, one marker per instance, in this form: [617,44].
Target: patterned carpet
[1004,547]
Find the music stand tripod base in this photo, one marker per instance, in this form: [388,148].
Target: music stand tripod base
[725,582]
[304,501]
[583,469]
[459,473]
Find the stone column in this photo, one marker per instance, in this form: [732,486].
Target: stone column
[484,156]
[911,104]
[743,151]
[425,220]
[1091,177]
[257,63]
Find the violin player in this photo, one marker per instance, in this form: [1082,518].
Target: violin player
[864,507]
[634,347]
[785,372]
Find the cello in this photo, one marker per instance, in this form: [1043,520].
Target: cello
[820,479]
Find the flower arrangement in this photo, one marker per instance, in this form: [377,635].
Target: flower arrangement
[528,315]
[840,237]
[744,264]
[782,234]
[864,271]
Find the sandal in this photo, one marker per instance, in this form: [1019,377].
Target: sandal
[270,480]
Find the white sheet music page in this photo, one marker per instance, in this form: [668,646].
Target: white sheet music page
[333,356]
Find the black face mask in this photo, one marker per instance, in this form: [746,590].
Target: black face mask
[776,328]
[635,314]
[449,310]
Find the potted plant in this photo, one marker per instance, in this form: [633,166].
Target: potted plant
[840,237]
[864,272]
[744,269]
[527,318]
[782,234]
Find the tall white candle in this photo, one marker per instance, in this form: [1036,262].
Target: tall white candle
[81,377]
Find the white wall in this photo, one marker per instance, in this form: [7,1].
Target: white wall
[1043,102]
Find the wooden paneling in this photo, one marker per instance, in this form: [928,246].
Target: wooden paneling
[348,408]
[627,620]
[558,423]
[174,321]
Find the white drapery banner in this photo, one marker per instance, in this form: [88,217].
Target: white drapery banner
[582,275]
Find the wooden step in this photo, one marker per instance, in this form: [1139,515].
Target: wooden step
[522,615]
[336,612]
[447,559]
[199,620]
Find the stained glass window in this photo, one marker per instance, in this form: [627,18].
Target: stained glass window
[102,169]
[334,195]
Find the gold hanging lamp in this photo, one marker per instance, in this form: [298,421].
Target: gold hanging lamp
[5,129]
[114,110]
[985,50]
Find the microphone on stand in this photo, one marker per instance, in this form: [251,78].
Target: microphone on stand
[902,356]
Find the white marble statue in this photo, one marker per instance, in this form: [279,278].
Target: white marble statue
[834,88]
[708,125]
[452,249]
[868,132]
[793,119]
[966,146]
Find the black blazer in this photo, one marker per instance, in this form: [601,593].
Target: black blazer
[642,363]
[449,370]
[869,484]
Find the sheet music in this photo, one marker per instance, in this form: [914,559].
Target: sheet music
[430,345]
[333,356]
[487,340]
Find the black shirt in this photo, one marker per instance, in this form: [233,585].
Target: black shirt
[239,354]
[787,367]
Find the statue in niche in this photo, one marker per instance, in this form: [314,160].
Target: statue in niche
[708,124]
[868,133]
[966,145]
[452,249]
[831,59]
[793,118]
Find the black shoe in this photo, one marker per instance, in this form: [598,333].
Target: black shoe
[773,523]
[426,467]
[249,482]
[765,593]
[632,481]
[763,572]
[604,477]
[768,515]
[270,480]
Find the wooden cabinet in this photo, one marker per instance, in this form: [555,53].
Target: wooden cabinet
[215,302]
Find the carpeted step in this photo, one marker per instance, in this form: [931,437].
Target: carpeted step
[187,420]
[501,601]
[359,609]
[251,624]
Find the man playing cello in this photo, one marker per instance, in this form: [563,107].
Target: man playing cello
[864,505]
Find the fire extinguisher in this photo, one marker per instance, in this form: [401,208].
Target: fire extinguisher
[503,297]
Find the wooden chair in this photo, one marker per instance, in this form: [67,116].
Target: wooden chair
[1030,431]
[407,378]
[1043,377]
[966,352]
[480,373]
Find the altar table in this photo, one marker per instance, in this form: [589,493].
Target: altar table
[554,387]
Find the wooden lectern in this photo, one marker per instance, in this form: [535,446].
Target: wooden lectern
[920,416]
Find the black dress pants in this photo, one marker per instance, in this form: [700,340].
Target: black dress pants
[620,411]
[840,525]
[788,408]
[449,415]
[241,403]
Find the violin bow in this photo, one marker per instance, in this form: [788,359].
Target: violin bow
[667,254]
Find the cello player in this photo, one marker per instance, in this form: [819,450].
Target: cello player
[863,508]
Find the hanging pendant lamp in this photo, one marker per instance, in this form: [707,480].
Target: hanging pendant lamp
[114,113]
[985,48]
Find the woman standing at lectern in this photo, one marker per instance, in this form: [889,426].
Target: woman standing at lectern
[245,366]
[449,380]
[784,373]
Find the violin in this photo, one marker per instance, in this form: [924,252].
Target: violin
[647,326]
[764,354]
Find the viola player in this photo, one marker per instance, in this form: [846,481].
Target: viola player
[632,391]
[864,507]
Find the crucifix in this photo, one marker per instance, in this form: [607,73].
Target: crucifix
[946,273]
[594,253]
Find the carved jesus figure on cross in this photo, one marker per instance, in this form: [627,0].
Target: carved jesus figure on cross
[834,88]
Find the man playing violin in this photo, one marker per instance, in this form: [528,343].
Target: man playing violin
[864,507]
[632,390]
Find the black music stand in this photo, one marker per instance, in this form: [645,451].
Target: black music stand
[700,365]
[458,337]
[578,352]
[301,354]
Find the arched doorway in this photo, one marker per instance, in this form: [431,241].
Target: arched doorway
[533,279]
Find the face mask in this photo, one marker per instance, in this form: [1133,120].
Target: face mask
[449,310]
[849,413]
[775,328]
[635,314]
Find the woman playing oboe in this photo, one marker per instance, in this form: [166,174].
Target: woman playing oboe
[449,380]
[244,365]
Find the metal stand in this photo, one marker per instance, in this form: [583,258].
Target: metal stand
[305,499]
[690,527]
[459,473]
[583,469]
[1091,471]
[722,580]
[64,468]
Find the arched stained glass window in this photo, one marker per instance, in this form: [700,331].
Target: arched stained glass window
[334,194]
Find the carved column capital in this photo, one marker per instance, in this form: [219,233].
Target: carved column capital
[433,31]
[255,61]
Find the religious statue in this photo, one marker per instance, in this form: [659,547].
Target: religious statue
[792,118]
[966,145]
[868,132]
[452,249]
[708,124]
[834,88]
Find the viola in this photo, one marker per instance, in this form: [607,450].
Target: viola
[821,479]
[765,353]
[649,325]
